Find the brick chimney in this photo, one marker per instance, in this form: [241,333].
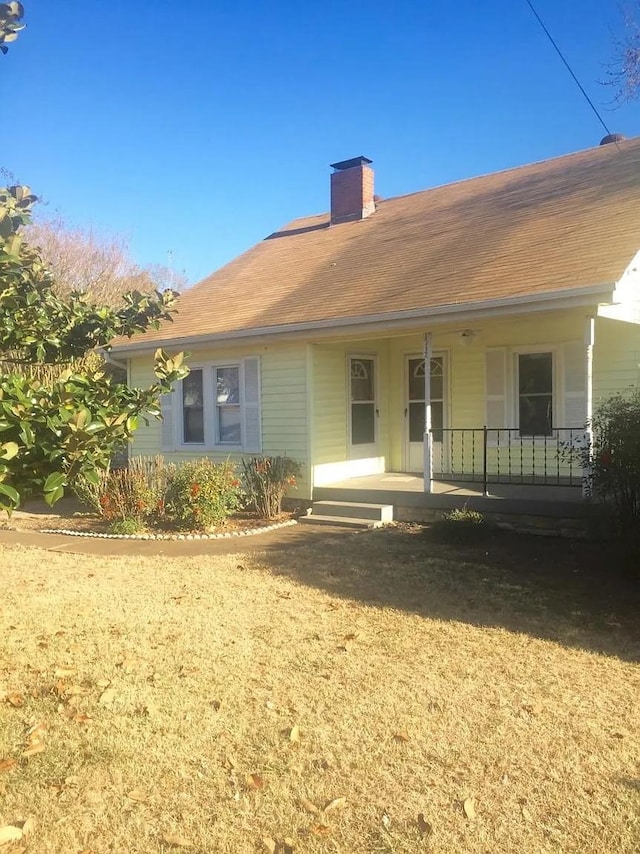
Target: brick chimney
[351,190]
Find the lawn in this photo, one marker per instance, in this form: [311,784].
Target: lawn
[375,692]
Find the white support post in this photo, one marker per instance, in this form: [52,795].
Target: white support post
[428,438]
[589,340]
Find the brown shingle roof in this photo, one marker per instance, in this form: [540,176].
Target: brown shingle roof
[565,223]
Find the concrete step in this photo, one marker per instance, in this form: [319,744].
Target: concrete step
[340,521]
[354,510]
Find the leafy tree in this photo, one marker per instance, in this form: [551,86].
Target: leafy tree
[53,431]
[11,15]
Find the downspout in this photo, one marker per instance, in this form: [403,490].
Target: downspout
[428,438]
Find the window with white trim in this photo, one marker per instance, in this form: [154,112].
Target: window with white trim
[216,407]
[536,390]
[535,394]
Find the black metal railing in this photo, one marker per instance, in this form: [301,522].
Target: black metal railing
[490,455]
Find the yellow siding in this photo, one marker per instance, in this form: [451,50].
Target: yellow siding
[616,358]
[283,404]
[331,453]
[287,370]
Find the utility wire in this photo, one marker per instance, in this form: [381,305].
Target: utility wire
[568,67]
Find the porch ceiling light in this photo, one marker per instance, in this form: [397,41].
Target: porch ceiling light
[467,336]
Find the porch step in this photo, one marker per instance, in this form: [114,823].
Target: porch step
[349,514]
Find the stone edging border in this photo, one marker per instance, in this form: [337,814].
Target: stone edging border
[224,536]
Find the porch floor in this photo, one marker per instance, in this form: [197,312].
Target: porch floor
[406,490]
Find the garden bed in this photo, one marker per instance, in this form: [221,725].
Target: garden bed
[69,515]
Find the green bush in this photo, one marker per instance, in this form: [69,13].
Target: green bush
[202,494]
[460,526]
[613,463]
[125,526]
[266,481]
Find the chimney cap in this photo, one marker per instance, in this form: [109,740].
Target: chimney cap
[349,164]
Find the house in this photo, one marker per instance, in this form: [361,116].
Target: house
[520,290]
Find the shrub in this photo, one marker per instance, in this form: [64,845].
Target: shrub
[134,494]
[125,526]
[266,482]
[613,462]
[202,494]
[460,526]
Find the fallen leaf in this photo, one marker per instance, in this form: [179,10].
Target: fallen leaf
[425,827]
[336,804]
[526,815]
[7,764]
[33,749]
[231,761]
[386,820]
[321,830]
[16,700]
[103,683]
[350,636]
[27,826]
[469,808]
[107,697]
[9,833]
[400,737]
[309,806]
[255,781]
[65,672]
[294,735]
[176,840]
[138,796]
[269,844]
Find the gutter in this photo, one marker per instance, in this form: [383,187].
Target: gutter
[108,358]
[398,320]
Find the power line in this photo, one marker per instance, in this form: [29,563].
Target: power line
[568,67]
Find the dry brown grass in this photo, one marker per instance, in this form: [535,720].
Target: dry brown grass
[418,676]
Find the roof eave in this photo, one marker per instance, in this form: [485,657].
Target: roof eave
[590,295]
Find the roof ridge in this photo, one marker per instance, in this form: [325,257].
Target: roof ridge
[522,166]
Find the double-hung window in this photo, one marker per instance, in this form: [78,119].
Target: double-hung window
[228,422]
[216,407]
[535,394]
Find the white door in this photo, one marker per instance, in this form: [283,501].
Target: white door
[414,413]
[363,407]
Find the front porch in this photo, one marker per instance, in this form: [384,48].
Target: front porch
[406,493]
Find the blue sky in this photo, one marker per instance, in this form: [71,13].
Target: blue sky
[198,128]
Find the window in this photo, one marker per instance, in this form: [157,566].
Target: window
[535,394]
[193,408]
[228,423]
[217,406]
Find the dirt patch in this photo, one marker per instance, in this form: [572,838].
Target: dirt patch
[372,693]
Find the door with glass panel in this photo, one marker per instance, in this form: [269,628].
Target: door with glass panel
[415,413]
[363,407]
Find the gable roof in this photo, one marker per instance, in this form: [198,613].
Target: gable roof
[557,225]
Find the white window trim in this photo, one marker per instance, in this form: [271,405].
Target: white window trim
[209,405]
[557,390]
